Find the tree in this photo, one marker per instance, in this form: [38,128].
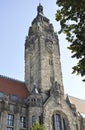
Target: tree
[37,126]
[71,15]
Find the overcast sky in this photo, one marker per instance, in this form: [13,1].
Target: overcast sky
[15,19]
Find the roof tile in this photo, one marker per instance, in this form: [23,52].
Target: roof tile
[80,104]
[12,86]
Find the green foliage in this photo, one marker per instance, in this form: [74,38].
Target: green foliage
[37,126]
[71,15]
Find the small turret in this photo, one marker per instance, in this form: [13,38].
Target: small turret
[35,98]
[34,102]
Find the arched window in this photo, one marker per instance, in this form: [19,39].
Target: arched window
[59,122]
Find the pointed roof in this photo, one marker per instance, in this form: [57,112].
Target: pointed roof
[40,15]
[34,90]
[11,86]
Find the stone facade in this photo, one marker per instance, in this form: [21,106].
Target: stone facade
[46,101]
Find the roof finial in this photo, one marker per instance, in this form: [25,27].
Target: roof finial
[40,9]
[39,4]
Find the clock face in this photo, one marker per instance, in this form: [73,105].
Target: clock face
[50,46]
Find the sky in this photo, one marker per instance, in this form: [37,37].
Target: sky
[15,19]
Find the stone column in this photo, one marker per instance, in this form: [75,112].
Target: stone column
[17,122]
[3,120]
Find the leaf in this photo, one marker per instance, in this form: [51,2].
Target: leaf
[71,15]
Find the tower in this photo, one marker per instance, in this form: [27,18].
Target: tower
[41,97]
[42,67]
[42,55]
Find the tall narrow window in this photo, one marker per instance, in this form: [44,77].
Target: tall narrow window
[58,122]
[64,124]
[10,122]
[76,126]
[51,69]
[53,122]
[33,119]
[22,122]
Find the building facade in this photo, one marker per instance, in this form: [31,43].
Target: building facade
[41,97]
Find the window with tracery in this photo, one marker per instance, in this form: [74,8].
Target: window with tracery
[59,122]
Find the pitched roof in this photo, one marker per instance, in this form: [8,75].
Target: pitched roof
[79,103]
[12,86]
